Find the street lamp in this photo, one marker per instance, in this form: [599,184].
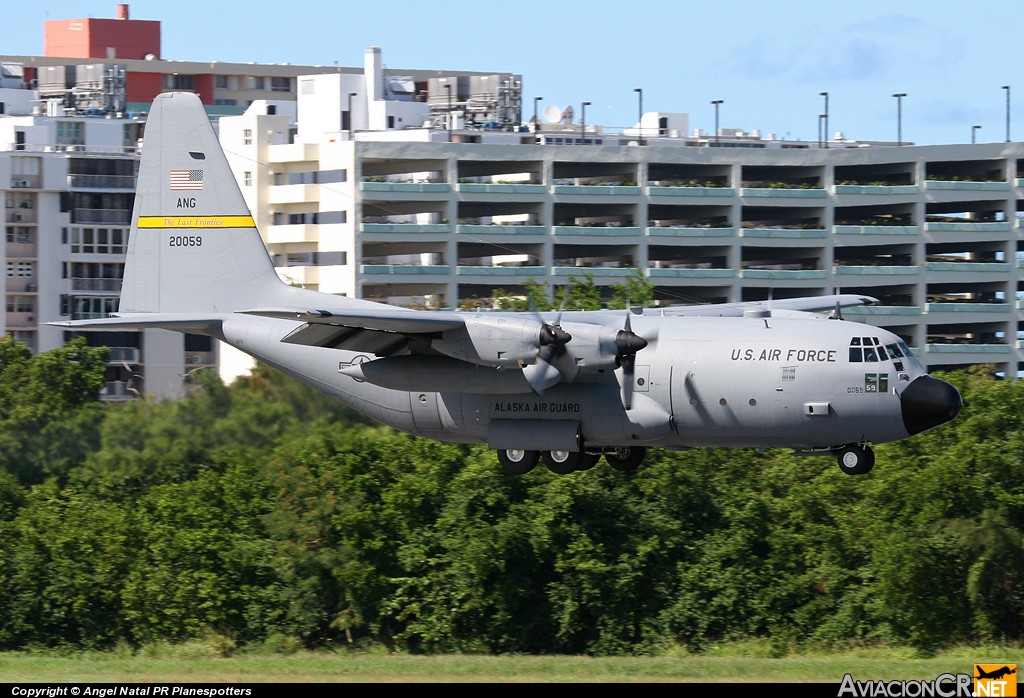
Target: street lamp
[448,87]
[716,102]
[825,117]
[351,120]
[974,129]
[899,116]
[535,100]
[822,132]
[639,112]
[1007,88]
[583,123]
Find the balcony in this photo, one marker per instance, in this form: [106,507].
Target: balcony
[475,188]
[99,285]
[102,215]
[968,348]
[405,228]
[288,234]
[782,274]
[595,231]
[293,193]
[294,152]
[500,271]
[685,232]
[690,273]
[690,191]
[96,181]
[971,267]
[596,189]
[870,270]
[876,189]
[938,184]
[784,233]
[901,310]
[875,229]
[968,308]
[598,272]
[122,355]
[969,227]
[474,229]
[405,269]
[415,187]
[783,193]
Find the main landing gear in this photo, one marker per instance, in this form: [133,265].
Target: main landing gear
[855,459]
[519,462]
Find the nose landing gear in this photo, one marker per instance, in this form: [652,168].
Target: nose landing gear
[855,459]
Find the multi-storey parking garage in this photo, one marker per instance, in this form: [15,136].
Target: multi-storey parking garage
[932,232]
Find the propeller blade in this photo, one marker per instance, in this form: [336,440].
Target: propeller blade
[628,380]
[541,375]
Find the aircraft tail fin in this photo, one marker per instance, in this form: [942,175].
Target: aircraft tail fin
[194,247]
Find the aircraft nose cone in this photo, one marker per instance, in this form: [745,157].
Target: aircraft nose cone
[928,402]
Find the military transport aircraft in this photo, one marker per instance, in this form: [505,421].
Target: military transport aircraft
[565,388]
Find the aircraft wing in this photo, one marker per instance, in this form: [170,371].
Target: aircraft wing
[810,304]
[382,330]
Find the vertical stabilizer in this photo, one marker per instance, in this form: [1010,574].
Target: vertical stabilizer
[194,246]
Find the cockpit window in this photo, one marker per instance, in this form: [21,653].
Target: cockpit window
[894,351]
[864,349]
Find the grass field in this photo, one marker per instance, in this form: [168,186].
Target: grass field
[737,664]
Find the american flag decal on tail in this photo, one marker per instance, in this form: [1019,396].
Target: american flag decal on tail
[186,180]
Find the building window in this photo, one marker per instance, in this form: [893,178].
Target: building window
[18,234]
[247,136]
[99,240]
[69,132]
[247,179]
[24,270]
[226,102]
[220,81]
[254,82]
[26,337]
[180,82]
[280,84]
[20,304]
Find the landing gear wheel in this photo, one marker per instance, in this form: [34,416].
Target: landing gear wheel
[626,459]
[855,460]
[516,461]
[588,461]
[561,462]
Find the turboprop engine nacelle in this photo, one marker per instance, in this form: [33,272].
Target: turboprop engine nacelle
[496,341]
[596,348]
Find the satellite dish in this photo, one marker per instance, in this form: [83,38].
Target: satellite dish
[567,115]
[552,114]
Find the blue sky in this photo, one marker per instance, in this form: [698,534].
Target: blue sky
[767,61]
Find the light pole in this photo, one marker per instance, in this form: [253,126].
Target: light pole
[822,132]
[639,112]
[583,123]
[1007,88]
[448,87]
[825,117]
[716,102]
[974,130]
[351,120]
[535,100]
[899,116]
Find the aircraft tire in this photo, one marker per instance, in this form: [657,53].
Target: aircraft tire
[855,459]
[562,462]
[588,461]
[517,461]
[626,459]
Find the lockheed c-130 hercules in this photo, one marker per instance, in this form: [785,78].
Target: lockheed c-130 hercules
[566,388]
